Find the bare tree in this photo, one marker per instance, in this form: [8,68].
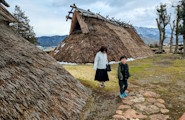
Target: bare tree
[177,29]
[162,22]
[182,27]
[172,26]
[158,20]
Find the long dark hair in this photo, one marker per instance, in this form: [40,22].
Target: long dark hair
[103,48]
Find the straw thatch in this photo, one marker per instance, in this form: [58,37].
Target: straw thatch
[32,85]
[90,31]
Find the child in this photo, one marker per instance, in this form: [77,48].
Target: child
[123,75]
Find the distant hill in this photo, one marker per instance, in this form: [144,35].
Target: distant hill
[148,35]
[151,35]
[48,41]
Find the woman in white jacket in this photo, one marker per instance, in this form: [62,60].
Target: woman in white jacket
[100,63]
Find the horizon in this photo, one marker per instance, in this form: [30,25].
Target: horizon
[50,19]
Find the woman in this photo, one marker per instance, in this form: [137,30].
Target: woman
[100,63]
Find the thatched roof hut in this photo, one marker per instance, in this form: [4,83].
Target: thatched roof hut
[32,85]
[90,31]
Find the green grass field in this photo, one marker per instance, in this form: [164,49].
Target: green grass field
[164,74]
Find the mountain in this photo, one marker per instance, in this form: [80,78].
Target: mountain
[151,35]
[49,41]
[148,35]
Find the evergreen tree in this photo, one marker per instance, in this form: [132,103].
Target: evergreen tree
[22,26]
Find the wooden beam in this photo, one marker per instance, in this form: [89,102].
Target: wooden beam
[70,12]
[4,3]
[68,17]
[73,6]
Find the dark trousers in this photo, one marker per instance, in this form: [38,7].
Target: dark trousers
[121,83]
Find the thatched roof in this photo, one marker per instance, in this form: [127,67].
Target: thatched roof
[88,13]
[90,31]
[32,85]
[4,3]
[5,15]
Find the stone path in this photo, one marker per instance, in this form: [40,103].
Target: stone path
[182,117]
[141,105]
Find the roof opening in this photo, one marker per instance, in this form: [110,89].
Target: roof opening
[77,28]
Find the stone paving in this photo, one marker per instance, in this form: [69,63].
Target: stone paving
[142,105]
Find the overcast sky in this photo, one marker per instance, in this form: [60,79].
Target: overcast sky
[48,16]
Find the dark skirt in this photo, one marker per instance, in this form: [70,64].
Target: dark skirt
[101,75]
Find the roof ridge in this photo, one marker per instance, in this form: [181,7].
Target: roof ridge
[6,14]
[88,13]
[4,3]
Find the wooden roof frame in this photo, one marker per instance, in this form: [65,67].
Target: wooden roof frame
[78,18]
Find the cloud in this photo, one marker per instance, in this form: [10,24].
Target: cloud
[48,16]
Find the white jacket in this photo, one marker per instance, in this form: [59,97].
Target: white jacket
[100,61]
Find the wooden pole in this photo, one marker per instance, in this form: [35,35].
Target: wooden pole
[70,12]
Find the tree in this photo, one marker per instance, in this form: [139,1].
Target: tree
[22,26]
[177,29]
[182,27]
[162,22]
[172,26]
[158,20]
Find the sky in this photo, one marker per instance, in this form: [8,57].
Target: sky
[48,17]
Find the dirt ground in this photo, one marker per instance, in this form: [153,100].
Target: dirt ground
[101,106]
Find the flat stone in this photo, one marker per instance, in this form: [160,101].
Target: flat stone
[119,117]
[182,117]
[139,95]
[131,94]
[151,100]
[164,111]
[141,91]
[119,112]
[161,101]
[127,102]
[151,94]
[160,105]
[140,107]
[128,98]
[132,114]
[122,107]
[151,109]
[138,99]
[159,117]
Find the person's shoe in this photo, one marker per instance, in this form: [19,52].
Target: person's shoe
[102,85]
[122,96]
[125,94]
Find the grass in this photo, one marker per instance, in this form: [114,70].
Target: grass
[164,74]
[149,69]
[86,73]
